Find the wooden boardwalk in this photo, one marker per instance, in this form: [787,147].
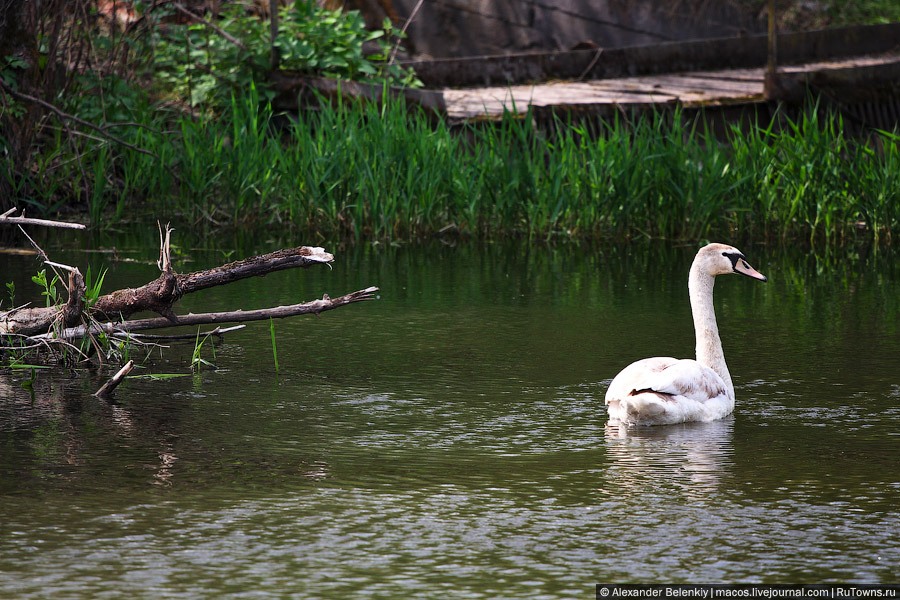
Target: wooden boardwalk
[689,89]
[855,70]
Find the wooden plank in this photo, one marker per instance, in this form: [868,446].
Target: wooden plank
[630,90]
[680,82]
[854,62]
[690,89]
[733,74]
[677,84]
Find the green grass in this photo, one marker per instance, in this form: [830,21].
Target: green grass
[375,172]
[381,172]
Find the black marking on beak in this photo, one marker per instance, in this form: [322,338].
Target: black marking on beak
[734,257]
[737,259]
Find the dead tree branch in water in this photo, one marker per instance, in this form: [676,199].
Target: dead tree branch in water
[109,314]
[115,380]
[7,218]
[235,316]
[161,294]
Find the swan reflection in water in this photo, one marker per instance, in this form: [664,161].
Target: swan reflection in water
[691,458]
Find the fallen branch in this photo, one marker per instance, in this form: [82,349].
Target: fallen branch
[161,294]
[235,316]
[6,219]
[25,321]
[114,382]
[158,296]
[145,337]
[109,314]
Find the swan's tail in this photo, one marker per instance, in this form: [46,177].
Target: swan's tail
[647,408]
[657,408]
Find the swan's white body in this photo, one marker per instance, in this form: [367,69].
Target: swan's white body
[665,390]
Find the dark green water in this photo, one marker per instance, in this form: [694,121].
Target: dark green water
[451,438]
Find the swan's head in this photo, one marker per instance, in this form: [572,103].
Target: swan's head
[720,259]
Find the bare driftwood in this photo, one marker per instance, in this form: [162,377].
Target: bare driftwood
[7,218]
[235,316]
[110,313]
[159,295]
[115,380]
[172,337]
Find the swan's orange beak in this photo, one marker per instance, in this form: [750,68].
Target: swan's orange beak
[743,267]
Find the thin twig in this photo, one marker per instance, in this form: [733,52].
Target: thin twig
[13,310]
[412,16]
[21,220]
[70,346]
[590,66]
[66,268]
[64,115]
[165,240]
[40,251]
[45,259]
[139,337]
[211,25]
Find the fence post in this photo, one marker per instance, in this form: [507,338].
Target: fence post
[769,86]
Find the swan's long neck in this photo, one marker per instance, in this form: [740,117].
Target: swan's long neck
[709,346]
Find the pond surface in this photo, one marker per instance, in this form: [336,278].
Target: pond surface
[451,439]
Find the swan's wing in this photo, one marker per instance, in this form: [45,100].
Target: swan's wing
[667,390]
[638,375]
[669,376]
[689,379]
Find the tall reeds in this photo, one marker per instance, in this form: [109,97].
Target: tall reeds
[379,171]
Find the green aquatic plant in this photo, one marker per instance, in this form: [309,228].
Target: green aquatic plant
[197,360]
[379,172]
[274,346]
[92,285]
[49,290]
[11,293]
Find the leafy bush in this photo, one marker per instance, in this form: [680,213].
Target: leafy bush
[204,66]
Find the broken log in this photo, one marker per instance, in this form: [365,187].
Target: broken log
[236,316]
[26,321]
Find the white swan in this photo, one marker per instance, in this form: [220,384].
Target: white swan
[664,390]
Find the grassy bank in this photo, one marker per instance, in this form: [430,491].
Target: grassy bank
[163,120]
[377,172]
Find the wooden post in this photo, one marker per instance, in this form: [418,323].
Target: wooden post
[770,84]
